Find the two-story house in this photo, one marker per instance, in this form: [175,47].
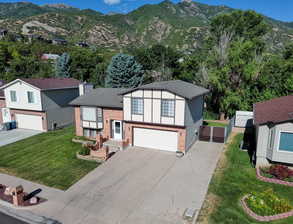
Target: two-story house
[41,103]
[161,115]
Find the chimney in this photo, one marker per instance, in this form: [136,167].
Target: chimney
[84,88]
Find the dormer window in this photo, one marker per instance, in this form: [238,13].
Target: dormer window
[30,97]
[13,96]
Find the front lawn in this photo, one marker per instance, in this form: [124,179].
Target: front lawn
[47,158]
[234,178]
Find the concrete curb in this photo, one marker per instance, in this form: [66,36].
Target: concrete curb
[25,215]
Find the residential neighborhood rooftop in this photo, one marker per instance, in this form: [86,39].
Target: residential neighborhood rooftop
[101,97]
[51,83]
[181,88]
[275,110]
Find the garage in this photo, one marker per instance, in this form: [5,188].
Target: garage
[32,122]
[155,139]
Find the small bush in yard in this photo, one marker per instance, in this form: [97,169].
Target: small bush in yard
[268,203]
[281,172]
[84,151]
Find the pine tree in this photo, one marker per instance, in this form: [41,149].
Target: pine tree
[124,72]
[62,66]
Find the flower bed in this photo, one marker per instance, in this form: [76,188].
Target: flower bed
[261,175]
[266,206]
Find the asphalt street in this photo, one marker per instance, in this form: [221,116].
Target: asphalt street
[5,219]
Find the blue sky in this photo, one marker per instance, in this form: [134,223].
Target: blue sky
[278,9]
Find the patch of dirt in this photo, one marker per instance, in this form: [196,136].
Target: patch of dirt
[210,203]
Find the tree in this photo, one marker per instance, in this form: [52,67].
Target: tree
[62,66]
[235,60]
[124,72]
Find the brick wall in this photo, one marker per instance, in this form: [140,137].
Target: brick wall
[2,105]
[110,115]
[128,130]
[42,114]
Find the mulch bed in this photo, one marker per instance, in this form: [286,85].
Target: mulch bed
[9,199]
[272,180]
[263,218]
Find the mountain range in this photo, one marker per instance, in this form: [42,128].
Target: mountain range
[182,25]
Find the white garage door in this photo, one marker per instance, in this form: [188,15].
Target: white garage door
[32,122]
[156,139]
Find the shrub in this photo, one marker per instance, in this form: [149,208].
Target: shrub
[84,151]
[280,172]
[268,203]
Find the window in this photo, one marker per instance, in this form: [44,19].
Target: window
[286,142]
[168,108]
[100,114]
[137,106]
[89,114]
[13,96]
[89,133]
[30,97]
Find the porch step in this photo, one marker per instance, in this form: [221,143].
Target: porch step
[114,145]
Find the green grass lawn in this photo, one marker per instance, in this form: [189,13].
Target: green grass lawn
[234,178]
[215,124]
[47,158]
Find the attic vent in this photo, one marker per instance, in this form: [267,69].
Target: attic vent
[290,115]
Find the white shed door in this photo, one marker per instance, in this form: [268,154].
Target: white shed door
[32,122]
[155,139]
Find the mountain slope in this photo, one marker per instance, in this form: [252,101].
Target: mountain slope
[183,25]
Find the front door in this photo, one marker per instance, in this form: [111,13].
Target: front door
[117,130]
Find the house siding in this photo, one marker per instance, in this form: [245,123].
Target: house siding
[55,103]
[193,119]
[262,145]
[21,89]
[282,156]
[78,127]
[152,107]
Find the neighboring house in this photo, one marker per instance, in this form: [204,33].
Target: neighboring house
[81,44]
[59,41]
[2,101]
[42,103]
[273,121]
[161,115]
[52,57]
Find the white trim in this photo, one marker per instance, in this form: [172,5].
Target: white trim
[18,80]
[279,136]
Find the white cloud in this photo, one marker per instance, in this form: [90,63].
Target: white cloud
[112,2]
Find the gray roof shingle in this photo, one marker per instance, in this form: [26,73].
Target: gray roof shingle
[101,97]
[178,87]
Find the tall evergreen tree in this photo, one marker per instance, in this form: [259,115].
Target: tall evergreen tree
[62,66]
[124,72]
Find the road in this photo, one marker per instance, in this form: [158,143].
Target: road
[5,219]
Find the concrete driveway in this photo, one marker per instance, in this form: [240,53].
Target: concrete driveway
[140,186]
[8,137]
